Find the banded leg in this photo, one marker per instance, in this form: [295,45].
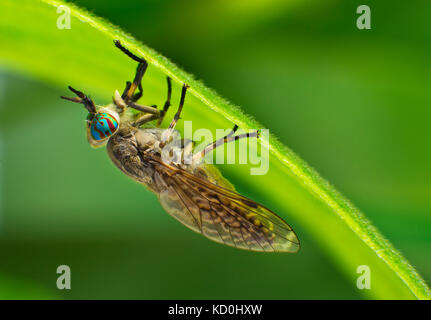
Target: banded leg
[226,139]
[128,93]
[140,71]
[168,132]
[167,103]
[144,119]
[147,109]
[126,89]
[136,96]
[119,101]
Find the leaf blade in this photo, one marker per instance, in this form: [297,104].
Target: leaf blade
[316,202]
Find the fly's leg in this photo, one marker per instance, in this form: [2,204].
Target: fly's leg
[160,114]
[226,139]
[167,103]
[128,94]
[140,71]
[234,129]
[147,109]
[136,96]
[180,107]
[168,132]
[129,98]
[144,119]
[147,113]
[126,89]
[150,109]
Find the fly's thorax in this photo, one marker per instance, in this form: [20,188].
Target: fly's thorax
[125,153]
[149,138]
[150,142]
[177,151]
[173,151]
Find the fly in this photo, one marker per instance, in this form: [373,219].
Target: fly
[194,193]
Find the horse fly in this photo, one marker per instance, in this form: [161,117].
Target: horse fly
[193,192]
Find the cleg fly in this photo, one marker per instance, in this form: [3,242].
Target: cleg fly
[192,192]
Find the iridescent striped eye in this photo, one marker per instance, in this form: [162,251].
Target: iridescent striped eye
[103,125]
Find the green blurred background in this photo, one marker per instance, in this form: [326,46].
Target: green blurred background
[355,104]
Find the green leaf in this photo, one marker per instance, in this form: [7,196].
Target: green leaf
[13,288]
[85,58]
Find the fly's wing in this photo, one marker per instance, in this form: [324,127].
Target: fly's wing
[220,214]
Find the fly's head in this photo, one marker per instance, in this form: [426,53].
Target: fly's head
[102,122]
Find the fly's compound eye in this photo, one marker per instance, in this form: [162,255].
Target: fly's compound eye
[103,125]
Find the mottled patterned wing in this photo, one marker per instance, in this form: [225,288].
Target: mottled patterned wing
[222,215]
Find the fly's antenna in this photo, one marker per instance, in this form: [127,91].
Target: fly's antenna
[81,98]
